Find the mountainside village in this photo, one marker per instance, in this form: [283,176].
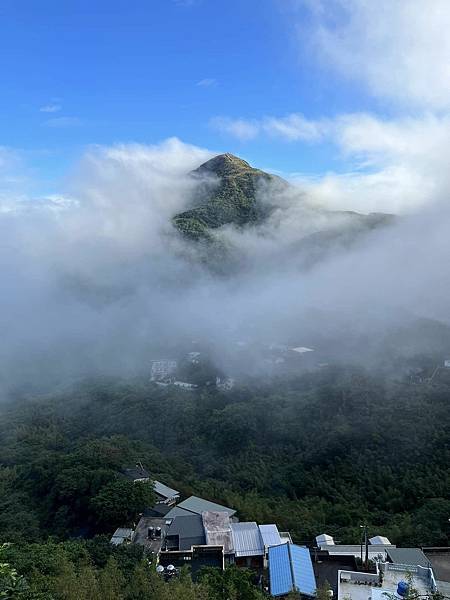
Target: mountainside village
[241,359]
[194,369]
[195,532]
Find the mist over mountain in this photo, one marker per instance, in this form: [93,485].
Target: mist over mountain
[99,280]
[232,193]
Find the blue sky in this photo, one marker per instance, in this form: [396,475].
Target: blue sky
[76,73]
[317,87]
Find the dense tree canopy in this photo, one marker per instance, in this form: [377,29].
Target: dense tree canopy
[319,453]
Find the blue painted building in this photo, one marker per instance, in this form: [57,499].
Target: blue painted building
[290,568]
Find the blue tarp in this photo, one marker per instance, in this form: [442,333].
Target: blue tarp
[290,568]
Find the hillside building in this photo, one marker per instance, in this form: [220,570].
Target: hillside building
[164,493]
[391,580]
[163,368]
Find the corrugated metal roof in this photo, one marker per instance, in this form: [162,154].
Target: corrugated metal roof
[199,505]
[164,490]
[280,574]
[290,568]
[270,535]
[247,539]
[302,569]
[120,535]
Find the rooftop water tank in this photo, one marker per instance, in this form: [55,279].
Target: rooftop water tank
[402,589]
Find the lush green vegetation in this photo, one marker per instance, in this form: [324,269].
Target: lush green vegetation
[232,199]
[320,453]
[94,570]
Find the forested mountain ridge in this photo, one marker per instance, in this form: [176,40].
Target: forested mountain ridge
[231,191]
[227,194]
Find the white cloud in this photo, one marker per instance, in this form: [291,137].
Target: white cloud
[208,82]
[398,48]
[94,278]
[293,127]
[242,129]
[13,178]
[400,163]
[51,108]
[392,164]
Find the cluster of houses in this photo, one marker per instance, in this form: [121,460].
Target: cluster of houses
[431,373]
[164,372]
[196,533]
[268,358]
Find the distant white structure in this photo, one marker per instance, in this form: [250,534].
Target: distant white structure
[302,349]
[389,581]
[185,385]
[121,536]
[194,357]
[447,363]
[225,384]
[324,540]
[163,368]
[380,539]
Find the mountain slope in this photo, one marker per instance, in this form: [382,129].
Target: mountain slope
[287,229]
[228,193]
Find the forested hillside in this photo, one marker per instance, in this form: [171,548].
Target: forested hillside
[322,452]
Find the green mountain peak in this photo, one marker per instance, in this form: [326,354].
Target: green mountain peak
[228,194]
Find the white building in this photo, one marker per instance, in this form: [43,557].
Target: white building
[185,385]
[302,349]
[384,584]
[194,357]
[226,383]
[163,368]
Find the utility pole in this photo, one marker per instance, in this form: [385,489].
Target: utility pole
[367,547]
[366,543]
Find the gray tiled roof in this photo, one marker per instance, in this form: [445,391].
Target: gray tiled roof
[199,505]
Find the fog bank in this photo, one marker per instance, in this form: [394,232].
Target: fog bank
[95,280]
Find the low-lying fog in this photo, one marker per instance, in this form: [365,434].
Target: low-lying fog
[96,280]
